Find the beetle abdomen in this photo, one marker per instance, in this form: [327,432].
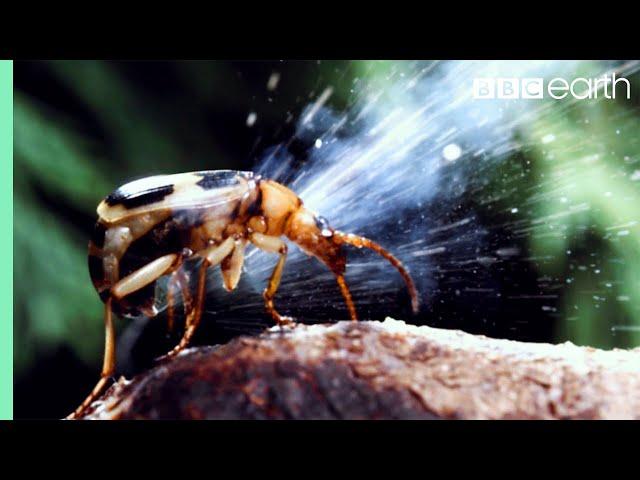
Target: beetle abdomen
[183,232]
[168,236]
[170,214]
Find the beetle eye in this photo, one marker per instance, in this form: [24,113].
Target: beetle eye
[324,227]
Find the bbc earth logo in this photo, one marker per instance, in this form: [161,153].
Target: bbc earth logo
[557,88]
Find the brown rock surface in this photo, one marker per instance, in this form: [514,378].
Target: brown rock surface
[372,370]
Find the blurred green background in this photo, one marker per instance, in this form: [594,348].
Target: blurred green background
[81,128]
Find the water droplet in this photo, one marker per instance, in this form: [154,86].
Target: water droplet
[272,83]
[451,152]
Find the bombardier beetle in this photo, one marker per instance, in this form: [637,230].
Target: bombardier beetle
[147,228]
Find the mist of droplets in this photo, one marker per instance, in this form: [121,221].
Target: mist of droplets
[396,164]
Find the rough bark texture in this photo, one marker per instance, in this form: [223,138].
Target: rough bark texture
[380,370]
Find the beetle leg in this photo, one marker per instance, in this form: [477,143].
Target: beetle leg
[216,253]
[212,257]
[171,288]
[108,364]
[193,318]
[129,284]
[143,276]
[186,295]
[173,285]
[178,280]
[170,304]
[231,266]
[274,245]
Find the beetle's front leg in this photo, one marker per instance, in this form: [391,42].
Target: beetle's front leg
[274,245]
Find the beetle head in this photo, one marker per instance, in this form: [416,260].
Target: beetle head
[314,236]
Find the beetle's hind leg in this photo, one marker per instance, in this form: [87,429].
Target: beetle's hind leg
[108,364]
[125,286]
[274,245]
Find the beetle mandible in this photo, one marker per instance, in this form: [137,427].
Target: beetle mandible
[147,228]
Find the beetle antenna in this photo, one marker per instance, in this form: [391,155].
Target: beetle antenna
[347,297]
[362,242]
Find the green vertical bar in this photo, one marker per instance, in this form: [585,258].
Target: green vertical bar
[6,240]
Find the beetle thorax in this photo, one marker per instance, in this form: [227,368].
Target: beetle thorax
[278,203]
